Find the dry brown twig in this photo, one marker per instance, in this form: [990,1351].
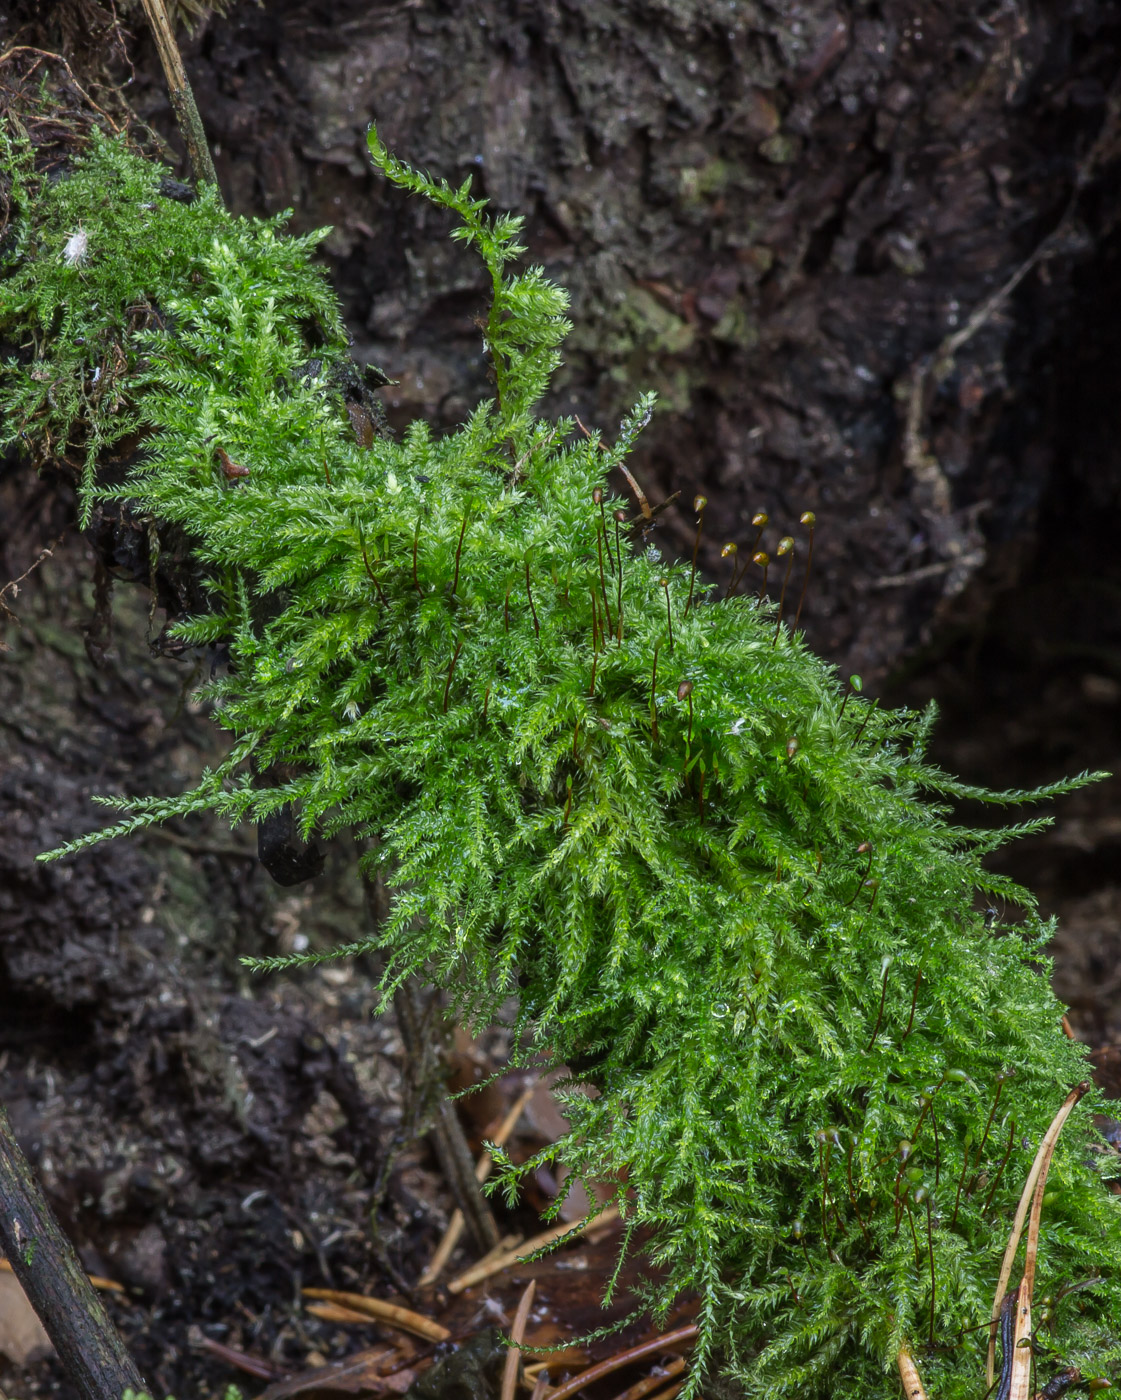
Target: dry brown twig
[58,58]
[495,1263]
[483,1167]
[1032,1196]
[614,1363]
[517,1334]
[181,95]
[381,1311]
[14,583]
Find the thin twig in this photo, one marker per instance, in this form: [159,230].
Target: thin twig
[1039,1168]
[404,1318]
[452,1234]
[486,1269]
[517,1333]
[182,98]
[58,58]
[909,1375]
[624,1358]
[13,583]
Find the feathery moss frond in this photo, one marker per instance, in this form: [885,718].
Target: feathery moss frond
[723,897]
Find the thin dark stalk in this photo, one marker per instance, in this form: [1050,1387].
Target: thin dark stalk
[914,1232]
[914,1000]
[451,672]
[864,847]
[850,689]
[597,497]
[1000,1169]
[810,520]
[930,1248]
[904,1154]
[699,503]
[366,561]
[880,1016]
[763,559]
[926,1103]
[669,615]
[602,575]
[730,551]
[961,1183]
[620,515]
[654,694]
[785,546]
[985,1135]
[823,1149]
[937,1147]
[529,592]
[852,1200]
[873,706]
[459,549]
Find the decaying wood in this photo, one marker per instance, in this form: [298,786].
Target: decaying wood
[179,90]
[47,1266]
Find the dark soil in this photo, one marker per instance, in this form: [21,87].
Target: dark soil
[771,214]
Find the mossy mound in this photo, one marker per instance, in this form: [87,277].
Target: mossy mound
[734,898]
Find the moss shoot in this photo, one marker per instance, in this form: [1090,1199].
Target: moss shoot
[737,903]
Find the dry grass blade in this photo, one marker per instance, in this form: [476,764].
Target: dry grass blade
[494,1265]
[482,1170]
[517,1333]
[623,1358]
[1019,1386]
[644,1387]
[105,1285]
[1038,1173]
[404,1318]
[909,1375]
[331,1312]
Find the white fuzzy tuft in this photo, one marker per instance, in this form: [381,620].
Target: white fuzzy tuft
[77,245]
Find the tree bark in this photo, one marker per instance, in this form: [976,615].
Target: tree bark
[56,1285]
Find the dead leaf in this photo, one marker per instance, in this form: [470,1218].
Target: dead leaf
[22,1338]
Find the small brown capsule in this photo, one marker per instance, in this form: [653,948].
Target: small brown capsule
[231,470]
[729,549]
[684,690]
[620,516]
[760,518]
[597,496]
[791,747]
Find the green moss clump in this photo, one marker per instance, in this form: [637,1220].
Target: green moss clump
[737,905]
[92,264]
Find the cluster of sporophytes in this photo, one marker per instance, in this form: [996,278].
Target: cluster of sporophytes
[726,889]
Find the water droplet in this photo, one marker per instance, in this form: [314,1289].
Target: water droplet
[719,1010]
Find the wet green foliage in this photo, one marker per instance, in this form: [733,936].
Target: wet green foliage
[736,903]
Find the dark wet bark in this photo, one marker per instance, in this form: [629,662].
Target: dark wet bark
[779,215]
[96,1361]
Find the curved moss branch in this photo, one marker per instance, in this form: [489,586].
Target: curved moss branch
[719,890]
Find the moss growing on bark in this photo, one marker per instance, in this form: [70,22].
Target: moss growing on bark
[736,901]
